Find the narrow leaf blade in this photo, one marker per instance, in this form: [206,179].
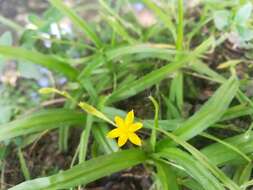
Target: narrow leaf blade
[86,172]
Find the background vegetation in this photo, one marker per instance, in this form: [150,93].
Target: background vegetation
[184,67]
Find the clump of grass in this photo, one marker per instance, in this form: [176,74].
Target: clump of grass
[172,63]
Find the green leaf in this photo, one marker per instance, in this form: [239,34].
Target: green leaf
[192,167]
[35,20]
[176,91]
[150,50]
[6,39]
[166,18]
[119,29]
[144,82]
[214,76]
[211,137]
[40,59]
[172,111]
[210,113]
[23,165]
[156,123]
[40,121]
[108,145]
[157,75]
[28,70]
[86,172]
[221,19]
[84,139]
[219,154]
[243,174]
[192,184]
[110,11]
[244,33]
[237,111]
[203,160]
[5,113]
[243,14]
[203,68]
[166,176]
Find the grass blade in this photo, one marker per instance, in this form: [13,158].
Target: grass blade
[210,112]
[40,59]
[23,165]
[219,154]
[156,123]
[166,176]
[192,184]
[85,139]
[40,121]
[86,172]
[108,145]
[163,16]
[150,50]
[155,50]
[237,111]
[145,82]
[119,29]
[243,174]
[204,160]
[211,137]
[192,167]
[156,76]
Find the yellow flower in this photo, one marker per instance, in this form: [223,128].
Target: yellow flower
[126,129]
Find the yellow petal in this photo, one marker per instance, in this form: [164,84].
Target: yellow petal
[129,118]
[119,121]
[114,133]
[135,127]
[135,139]
[122,140]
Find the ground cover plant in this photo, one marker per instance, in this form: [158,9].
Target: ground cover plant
[135,95]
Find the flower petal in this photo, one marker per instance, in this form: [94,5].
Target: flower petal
[119,121]
[129,118]
[114,133]
[122,140]
[135,139]
[135,127]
